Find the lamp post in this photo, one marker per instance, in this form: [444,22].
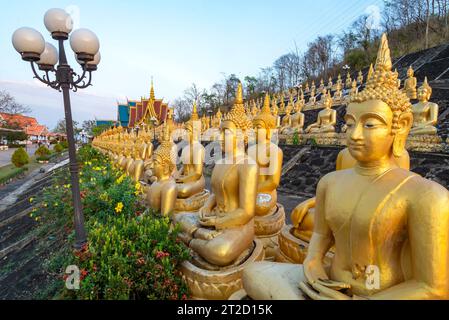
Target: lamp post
[33,48]
[153,121]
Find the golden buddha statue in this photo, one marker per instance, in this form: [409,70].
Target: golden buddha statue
[254,110]
[338,94]
[360,77]
[312,98]
[389,227]
[282,105]
[322,86]
[326,120]
[221,235]
[270,216]
[217,119]
[307,89]
[136,168]
[425,113]
[297,119]
[162,194]
[410,84]
[190,182]
[204,123]
[348,83]
[287,120]
[275,112]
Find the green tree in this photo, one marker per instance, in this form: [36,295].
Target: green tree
[20,158]
[42,151]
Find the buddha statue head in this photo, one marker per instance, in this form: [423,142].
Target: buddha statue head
[164,158]
[235,125]
[424,91]
[327,100]
[379,118]
[265,122]
[410,72]
[193,126]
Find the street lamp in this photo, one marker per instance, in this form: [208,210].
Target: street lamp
[154,121]
[33,48]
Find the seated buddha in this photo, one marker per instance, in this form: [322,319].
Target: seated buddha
[270,215]
[286,122]
[425,113]
[136,168]
[389,227]
[338,94]
[162,193]
[348,82]
[224,227]
[322,86]
[307,88]
[360,77]
[326,120]
[297,119]
[275,112]
[410,84]
[190,182]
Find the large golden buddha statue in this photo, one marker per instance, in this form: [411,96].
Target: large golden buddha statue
[190,182]
[270,215]
[410,84]
[326,120]
[162,194]
[221,234]
[389,227]
[425,113]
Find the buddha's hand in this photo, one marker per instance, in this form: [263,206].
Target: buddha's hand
[318,291]
[208,221]
[301,210]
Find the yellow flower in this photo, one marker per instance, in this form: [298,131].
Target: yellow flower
[45,205]
[119,207]
[31,200]
[120,179]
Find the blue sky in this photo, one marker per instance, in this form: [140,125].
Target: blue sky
[177,42]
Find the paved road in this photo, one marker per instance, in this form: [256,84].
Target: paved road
[5,155]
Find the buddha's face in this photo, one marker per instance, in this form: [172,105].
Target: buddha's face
[423,94]
[410,73]
[262,132]
[158,166]
[228,136]
[368,132]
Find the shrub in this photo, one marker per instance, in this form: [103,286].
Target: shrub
[296,138]
[42,151]
[64,144]
[20,158]
[58,147]
[43,158]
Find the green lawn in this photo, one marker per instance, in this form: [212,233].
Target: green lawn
[10,170]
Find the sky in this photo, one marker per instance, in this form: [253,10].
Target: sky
[177,42]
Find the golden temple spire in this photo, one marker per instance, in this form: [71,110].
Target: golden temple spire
[152,95]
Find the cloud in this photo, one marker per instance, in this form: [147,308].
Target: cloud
[48,107]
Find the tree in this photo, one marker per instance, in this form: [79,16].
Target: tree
[97,130]
[61,127]
[8,104]
[88,126]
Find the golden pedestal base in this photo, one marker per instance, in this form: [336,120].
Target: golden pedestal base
[192,204]
[291,249]
[267,228]
[424,143]
[218,285]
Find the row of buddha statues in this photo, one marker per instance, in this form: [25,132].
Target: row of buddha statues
[375,230]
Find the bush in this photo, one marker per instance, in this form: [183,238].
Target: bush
[58,148]
[64,144]
[20,158]
[43,158]
[42,151]
[296,138]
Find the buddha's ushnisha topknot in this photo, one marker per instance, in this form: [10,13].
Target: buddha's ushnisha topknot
[237,114]
[265,114]
[383,84]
